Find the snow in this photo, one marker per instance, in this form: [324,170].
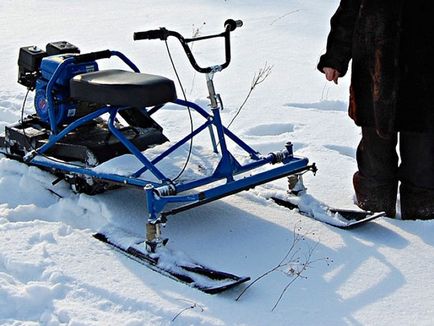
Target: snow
[53,272]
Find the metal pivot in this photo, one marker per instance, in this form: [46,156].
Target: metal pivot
[153,225]
[295,181]
[295,184]
[153,237]
[213,96]
[215,100]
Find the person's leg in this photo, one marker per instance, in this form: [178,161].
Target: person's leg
[376,182]
[416,174]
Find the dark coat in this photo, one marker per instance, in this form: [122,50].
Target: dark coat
[391,44]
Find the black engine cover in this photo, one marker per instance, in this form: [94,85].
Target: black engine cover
[91,144]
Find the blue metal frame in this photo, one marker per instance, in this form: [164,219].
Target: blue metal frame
[165,191]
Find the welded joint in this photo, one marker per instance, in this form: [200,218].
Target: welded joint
[30,156]
[166,190]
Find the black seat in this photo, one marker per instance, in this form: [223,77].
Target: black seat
[122,88]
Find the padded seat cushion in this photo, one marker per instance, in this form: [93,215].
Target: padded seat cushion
[122,88]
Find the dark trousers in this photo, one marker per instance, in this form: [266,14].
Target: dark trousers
[376,182]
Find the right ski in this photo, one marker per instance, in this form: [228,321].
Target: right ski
[171,264]
[341,218]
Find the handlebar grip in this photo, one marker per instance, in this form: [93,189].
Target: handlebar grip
[233,24]
[92,56]
[154,34]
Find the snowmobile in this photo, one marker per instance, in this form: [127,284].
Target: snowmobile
[85,116]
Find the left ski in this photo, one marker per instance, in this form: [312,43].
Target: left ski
[341,218]
[173,265]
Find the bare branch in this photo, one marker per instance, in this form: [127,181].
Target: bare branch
[283,16]
[297,273]
[295,240]
[197,31]
[258,78]
[192,306]
[292,264]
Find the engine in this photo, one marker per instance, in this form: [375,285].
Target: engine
[36,68]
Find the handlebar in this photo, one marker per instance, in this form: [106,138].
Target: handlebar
[104,54]
[151,35]
[233,24]
[92,56]
[230,25]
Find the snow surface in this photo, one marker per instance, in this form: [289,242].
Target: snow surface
[53,272]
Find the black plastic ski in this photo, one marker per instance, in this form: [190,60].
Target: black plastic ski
[195,275]
[346,219]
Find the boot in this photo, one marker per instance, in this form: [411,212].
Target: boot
[375,197]
[416,203]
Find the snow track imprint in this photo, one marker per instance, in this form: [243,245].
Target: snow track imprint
[272,129]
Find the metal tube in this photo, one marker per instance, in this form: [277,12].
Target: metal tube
[77,123]
[133,149]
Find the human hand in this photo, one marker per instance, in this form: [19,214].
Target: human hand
[331,74]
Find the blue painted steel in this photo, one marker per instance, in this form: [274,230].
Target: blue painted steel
[77,123]
[206,115]
[256,179]
[228,165]
[133,149]
[213,141]
[242,169]
[40,101]
[227,168]
[49,65]
[155,204]
[194,106]
[125,59]
[253,154]
[40,161]
[152,205]
[235,186]
[52,114]
[58,70]
[172,149]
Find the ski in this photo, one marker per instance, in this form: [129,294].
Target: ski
[172,264]
[341,218]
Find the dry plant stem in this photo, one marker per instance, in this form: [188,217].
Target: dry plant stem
[296,239]
[287,14]
[308,262]
[193,305]
[258,78]
[197,31]
[179,313]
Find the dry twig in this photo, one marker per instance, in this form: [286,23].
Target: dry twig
[258,78]
[283,16]
[193,305]
[292,265]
